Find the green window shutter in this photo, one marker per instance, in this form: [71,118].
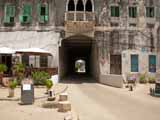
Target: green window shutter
[149,11]
[27,9]
[130,12]
[26,16]
[134,63]
[135,11]
[152,63]
[117,12]
[112,11]
[9,13]
[46,13]
[43,14]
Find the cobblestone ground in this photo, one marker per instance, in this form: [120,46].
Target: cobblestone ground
[11,110]
[93,101]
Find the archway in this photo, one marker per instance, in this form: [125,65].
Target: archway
[80,66]
[71,5]
[89,6]
[82,49]
[80,5]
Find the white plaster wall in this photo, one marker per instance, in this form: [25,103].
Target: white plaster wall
[143,61]
[31,39]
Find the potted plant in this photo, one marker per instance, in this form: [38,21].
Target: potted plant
[12,86]
[142,79]
[3,68]
[151,79]
[48,84]
[18,70]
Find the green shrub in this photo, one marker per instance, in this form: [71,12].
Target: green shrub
[3,68]
[48,84]
[151,79]
[13,84]
[39,77]
[142,78]
[19,70]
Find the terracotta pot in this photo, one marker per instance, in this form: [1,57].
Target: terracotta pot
[11,92]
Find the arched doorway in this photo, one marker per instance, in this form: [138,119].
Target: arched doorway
[78,49]
[80,66]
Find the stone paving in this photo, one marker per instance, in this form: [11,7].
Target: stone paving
[93,101]
[11,110]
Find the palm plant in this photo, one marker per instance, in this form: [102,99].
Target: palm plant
[12,86]
[19,70]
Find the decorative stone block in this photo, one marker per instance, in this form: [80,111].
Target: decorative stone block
[64,106]
[63,97]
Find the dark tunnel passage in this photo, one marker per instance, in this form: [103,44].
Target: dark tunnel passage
[74,49]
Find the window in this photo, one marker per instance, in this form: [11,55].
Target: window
[43,61]
[115,11]
[25,16]
[133,12]
[152,63]
[150,12]
[134,63]
[71,6]
[25,60]
[43,13]
[89,6]
[80,6]
[9,14]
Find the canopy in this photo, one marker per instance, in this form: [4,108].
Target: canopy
[6,50]
[33,51]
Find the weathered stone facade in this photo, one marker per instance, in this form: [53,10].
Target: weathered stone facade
[110,35]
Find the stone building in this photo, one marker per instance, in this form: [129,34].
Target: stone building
[113,37]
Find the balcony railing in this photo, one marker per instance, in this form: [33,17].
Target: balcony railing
[79,16]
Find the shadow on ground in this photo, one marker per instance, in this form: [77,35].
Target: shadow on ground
[78,79]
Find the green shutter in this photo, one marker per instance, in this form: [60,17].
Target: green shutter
[43,18]
[152,63]
[117,12]
[130,12]
[46,12]
[112,11]
[26,14]
[134,63]
[9,12]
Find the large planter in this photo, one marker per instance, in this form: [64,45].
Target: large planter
[11,92]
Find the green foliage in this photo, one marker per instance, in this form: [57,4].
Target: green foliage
[39,77]
[142,78]
[13,84]
[48,84]
[3,68]
[151,79]
[19,70]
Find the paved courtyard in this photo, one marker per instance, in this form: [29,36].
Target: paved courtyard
[93,101]
[90,101]
[11,110]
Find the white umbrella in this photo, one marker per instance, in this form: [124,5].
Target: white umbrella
[6,50]
[33,51]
